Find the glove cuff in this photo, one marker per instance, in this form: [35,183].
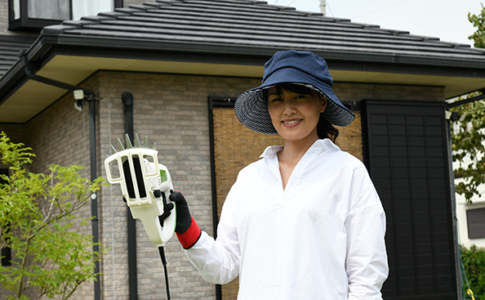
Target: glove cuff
[191,236]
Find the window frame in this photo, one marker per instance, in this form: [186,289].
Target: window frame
[24,23]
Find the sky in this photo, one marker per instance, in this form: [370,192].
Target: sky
[444,19]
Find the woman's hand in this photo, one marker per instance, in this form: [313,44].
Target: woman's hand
[188,232]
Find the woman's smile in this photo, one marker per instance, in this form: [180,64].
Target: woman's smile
[291,122]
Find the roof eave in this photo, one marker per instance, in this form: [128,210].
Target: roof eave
[52,37]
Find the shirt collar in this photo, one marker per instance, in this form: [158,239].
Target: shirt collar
[271,151]
[324,144]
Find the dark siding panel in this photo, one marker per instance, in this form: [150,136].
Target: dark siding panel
[407,160]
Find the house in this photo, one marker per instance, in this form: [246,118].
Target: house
[170,70]
[471,218]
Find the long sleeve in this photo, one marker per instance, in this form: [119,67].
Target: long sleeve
[218,260]
[366,261]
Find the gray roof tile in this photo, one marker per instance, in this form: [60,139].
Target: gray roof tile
[255,23]
[10,47]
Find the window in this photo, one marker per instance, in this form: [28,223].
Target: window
[33,15]
[476,223]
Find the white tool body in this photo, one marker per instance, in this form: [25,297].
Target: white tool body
[146,186]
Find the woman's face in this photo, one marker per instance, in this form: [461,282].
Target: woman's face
[295,115]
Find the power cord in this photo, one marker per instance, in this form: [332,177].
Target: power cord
[164,262]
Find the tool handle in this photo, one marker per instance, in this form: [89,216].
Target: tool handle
[169,223]
[158,233]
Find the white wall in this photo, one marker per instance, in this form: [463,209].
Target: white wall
[461,208]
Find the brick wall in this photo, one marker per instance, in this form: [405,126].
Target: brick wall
[3,16]
[355,92]
[172,110]
[4,22]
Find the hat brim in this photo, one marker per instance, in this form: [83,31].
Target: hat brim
[251,107]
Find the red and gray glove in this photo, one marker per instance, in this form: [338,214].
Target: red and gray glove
[188,232]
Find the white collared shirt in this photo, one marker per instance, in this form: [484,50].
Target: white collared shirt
[322,237]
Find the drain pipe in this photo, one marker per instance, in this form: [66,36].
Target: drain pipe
[94,197]
[127,99]
[87,95]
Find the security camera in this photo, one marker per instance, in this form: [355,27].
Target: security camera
[78,105]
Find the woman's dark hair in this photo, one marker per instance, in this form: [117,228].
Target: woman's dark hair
[324,128]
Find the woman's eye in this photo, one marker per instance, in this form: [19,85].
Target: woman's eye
[273,100]
[300,97]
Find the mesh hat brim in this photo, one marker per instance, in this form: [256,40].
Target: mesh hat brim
[251,107]
[252,111]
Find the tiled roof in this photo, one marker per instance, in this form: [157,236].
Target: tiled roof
[255,24]
[10,47]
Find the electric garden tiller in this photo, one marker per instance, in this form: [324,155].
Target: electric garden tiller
[145,185]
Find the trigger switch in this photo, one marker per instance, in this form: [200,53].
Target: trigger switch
[157,193]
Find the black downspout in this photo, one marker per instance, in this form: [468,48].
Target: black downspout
[94,196]
[127,99]
[91,98]
[451,176]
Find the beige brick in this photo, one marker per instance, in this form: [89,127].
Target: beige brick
[172,110]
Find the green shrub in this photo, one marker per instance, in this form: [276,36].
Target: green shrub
[37,219]
[474,263]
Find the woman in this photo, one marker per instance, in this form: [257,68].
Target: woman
[304,222]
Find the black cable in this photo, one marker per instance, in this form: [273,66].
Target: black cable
[164,262]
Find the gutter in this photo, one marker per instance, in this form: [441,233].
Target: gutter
[55,34]
[466,101]
[91,98]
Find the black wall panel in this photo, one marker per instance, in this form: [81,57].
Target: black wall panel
[406,154]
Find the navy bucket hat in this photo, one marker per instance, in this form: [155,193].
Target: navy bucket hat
[296,67]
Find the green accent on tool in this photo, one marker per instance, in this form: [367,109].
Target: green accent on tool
[163,176]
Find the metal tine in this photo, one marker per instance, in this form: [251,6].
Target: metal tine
[137,140]
[145,142]
[113,149]
[121,145]
[128,142]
